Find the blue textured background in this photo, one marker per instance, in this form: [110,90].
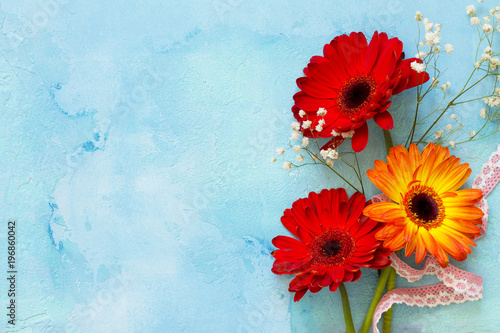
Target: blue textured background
[135,142]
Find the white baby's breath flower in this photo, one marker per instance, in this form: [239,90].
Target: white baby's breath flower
[335,133]
[302,113]
[428,26]
[319,127]
[287,166]
[453,116]
[306,124]
[295,126]
[333,154]
[324,153]
[296,149]
[437,27]
[420,55]
[444,87]
[300,158]
[485,56]
[487,50]
[475,20]
[280,151]
[452,143]
[431,39]
[330,162]
[305,142]
[417,67]
[477,64]
[422,43]
[487,19]
[495,61]
[437,49]
[448,48]
[273,159]
[470,10]
[497,16]
[472,134]
[438,134]
[348,134]
[483,113]
[295,136]
[448,127]
[321,112]
[418,16]
[487,28]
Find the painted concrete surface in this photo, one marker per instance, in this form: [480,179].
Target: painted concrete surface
[135,141]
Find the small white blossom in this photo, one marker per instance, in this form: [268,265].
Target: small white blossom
[330,162]
[296,126]
[324,153]
[302,113]
[321,112]
[453,116]
[431,39]
[498,28]
[448,127]
[422,43]
[487,28]
[333,154]
[448,48]
[485,56]
[306,124]
[280,151]
[497,90]
[472,134]
[418,16]
[300,158]
[470,10]
[295,136]
[420,55]
[438,134]
[305,142]
[437,49]
[487,19]
[428,26]
[497,16]
[483,113]
[296,149]
[273,159]
[452,143]
[287,166]
[474,20]
[444,87]
[419,68]
[477,64]
[495,61]
[335,133]
[487,50]
[319,127]
[479,0]
[348,134]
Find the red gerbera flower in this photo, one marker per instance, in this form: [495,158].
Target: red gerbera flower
[335,241]
[353,82]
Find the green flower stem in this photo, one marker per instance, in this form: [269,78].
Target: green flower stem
[391,284]
[382,280]
[388,141]
[349,326]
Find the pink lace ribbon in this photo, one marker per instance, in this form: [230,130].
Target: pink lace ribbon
[457,285]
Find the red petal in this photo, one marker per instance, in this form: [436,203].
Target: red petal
[384,120]
[334,142]
[360,138]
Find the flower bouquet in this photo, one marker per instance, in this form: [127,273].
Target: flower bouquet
[423,208]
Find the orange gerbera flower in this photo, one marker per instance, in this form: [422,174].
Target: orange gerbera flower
[428,213]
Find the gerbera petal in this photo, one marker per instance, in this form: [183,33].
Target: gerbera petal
[377,210]
[384,120]
[360,138]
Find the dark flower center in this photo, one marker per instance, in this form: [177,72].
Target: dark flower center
[424,207]
[355,94]
[332,248]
